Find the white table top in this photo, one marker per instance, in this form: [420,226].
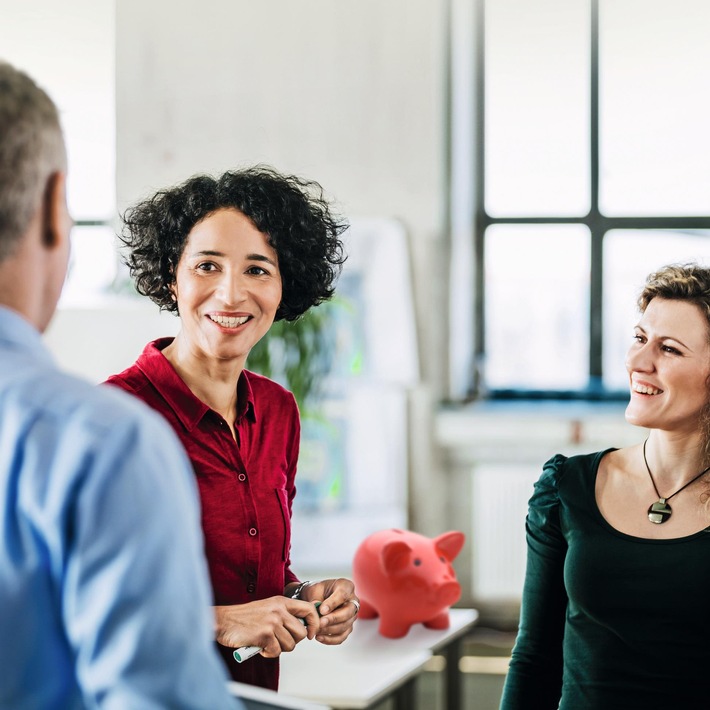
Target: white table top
[368,666]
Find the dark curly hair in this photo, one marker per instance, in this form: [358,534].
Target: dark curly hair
[290,211]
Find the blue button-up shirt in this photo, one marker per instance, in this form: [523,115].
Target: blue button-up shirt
[104,595]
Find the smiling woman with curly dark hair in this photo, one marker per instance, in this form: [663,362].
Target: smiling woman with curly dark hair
[230,255]
[292,212]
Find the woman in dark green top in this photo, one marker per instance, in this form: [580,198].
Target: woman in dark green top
[615,605]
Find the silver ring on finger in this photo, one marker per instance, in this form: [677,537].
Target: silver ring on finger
[356,603]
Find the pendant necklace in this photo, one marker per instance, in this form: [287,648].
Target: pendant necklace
[660,512]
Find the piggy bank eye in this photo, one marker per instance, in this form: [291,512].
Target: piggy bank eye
[442,559]
[417,562]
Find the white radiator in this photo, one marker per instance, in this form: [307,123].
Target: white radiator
[499,504]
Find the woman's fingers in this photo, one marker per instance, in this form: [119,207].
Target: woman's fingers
[275,624]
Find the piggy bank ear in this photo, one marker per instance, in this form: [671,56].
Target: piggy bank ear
[395,556]
[450,543]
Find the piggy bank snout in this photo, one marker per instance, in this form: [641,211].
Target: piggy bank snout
[448,593]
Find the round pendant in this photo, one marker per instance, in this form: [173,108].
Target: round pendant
[659,512]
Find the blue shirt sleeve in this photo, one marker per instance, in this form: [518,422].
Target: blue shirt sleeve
[128,565]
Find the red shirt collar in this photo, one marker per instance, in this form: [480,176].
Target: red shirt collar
[189,409]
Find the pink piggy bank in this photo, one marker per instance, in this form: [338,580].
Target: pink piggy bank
[406,578]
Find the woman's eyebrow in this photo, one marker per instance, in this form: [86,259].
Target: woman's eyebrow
[674,339]
[261,257]
[250,257]
[208,252]
[664,337]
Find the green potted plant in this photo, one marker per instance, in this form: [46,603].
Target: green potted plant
[301,355]
[298,354]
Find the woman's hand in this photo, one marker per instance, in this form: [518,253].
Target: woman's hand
[338,608]
[273,624]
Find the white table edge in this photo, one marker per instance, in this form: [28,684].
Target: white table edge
[263,695]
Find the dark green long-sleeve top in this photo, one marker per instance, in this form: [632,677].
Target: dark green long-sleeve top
[608,621]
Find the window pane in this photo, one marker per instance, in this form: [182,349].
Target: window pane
[537,306]
[537,107]
[68,48]
[93,264]
[629,256]
[654,59]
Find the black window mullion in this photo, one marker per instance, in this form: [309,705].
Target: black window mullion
[480,217]
[92,223]
[596,324]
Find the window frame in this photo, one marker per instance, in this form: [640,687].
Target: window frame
[596,222]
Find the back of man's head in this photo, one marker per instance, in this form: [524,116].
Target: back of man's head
[31,149]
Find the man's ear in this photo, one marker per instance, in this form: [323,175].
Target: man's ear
[56,222]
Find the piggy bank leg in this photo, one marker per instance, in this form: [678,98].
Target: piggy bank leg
[392,629]
[367,611]
[441,621]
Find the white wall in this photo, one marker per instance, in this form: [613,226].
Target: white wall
[348,92]
[106,337]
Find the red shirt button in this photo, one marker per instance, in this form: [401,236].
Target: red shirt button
[242,477]
[252,531]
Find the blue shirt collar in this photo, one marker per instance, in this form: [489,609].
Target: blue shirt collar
[19,333]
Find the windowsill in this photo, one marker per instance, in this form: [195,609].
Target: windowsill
[547,405]
[529,429]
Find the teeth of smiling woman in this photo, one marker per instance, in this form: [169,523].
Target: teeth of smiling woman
[642,389]
[229,322]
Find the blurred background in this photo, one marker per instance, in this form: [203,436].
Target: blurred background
[512,170]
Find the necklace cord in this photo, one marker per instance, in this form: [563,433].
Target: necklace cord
[655,488]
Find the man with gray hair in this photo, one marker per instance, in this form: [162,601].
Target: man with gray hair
[104,595]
